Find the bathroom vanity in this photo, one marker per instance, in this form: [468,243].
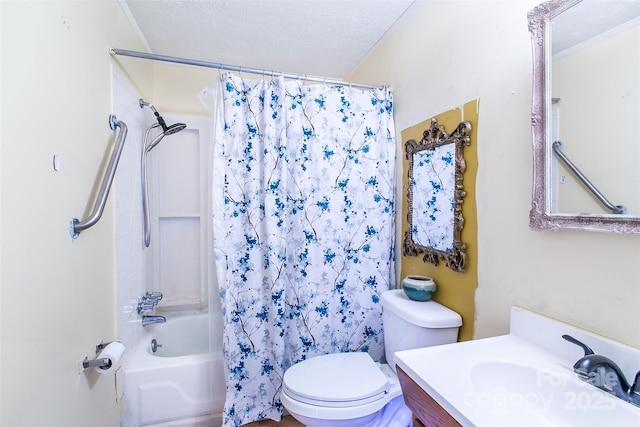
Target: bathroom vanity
[423,406]
[525,378]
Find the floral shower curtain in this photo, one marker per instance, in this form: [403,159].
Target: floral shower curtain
[304,207]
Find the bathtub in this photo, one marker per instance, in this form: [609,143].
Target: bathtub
[181,384]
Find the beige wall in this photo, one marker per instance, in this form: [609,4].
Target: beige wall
[58,295]
[177,87]
[445,53]
[594,125]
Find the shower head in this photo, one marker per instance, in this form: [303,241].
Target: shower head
[146,147]
[174,128]
[166,130]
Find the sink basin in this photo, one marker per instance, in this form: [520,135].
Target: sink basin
[513,380]
[500,376]
[505,389]
[544,396]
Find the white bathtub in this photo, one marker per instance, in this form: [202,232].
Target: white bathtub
[181,384]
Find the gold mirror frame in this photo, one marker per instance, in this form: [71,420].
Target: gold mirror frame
[540,217]
[434,137]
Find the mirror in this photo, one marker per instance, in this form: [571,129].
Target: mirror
[435,194]
[586,63]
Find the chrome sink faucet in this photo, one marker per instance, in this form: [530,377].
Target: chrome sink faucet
[605,374]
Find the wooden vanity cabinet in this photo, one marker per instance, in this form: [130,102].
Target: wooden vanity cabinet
[427,410]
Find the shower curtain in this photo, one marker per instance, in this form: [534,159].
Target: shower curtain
[304,207]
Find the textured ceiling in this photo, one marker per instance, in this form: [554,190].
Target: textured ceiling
[589,19]
[313,37]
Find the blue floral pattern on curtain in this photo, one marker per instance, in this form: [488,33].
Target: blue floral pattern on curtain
[304,230]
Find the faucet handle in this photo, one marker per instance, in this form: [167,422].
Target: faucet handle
[156,296]
[145,306]
[586,348]
[635,388]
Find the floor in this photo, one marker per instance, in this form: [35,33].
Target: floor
[289,421]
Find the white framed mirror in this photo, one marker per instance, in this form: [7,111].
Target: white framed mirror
[586,103]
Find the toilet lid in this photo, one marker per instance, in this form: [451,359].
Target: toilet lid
[337,380]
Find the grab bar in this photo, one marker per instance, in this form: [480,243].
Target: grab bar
[76,226]
[616,209]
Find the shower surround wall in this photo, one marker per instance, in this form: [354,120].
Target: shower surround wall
[134,272]
[130,267]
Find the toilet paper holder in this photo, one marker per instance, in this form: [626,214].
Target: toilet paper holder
[101,362]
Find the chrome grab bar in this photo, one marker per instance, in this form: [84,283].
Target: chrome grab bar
[76,226]
[616,209]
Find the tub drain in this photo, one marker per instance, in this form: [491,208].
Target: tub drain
[155,345]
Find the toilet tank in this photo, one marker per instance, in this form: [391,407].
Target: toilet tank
[409,324]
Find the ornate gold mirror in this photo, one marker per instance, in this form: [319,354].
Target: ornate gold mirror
[435,194]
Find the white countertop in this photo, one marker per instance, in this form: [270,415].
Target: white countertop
[518,379]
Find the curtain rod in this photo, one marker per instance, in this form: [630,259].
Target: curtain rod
[226,67]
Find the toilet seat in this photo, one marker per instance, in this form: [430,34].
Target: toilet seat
[326,412]
[337,380]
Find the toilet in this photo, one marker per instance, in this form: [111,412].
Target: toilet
[351,389]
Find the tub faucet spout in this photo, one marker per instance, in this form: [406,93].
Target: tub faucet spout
[150,320]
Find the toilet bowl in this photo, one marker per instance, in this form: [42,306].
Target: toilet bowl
[340,390]
[351,389]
